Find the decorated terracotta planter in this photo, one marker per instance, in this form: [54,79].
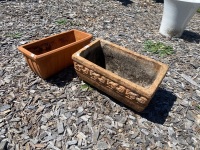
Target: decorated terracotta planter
[123,74]
[50,55]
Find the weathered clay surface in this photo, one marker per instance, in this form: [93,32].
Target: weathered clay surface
[139,71]
[131,68]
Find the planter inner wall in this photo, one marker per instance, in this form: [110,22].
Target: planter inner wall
[53,43]
[132,68]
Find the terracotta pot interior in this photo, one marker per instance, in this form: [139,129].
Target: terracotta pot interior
[123,64]
[52,43]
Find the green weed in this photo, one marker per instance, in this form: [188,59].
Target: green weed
[158,48]
[85,87]
[14,35]
[198,10]
[61,21]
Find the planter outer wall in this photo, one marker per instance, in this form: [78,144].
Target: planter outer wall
[46,64]
[176,15]
[123,90]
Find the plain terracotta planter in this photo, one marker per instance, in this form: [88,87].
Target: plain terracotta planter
[50,55]
[123,74]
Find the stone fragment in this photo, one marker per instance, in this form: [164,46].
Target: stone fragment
[85,117]
[197,120]
[2,124]
[3,145]
[58,144]
[27,146]
[17,119]
[48,115]
[73,142]
[40,109]
[123,120]
[69,131]
[159,144]
[145,131]
[95,135]
[95,116]
[124,144]
[49,138]
[7,80]
[189,79]
[40,145]
[80,109]
[136,133]
[170,131]
[22,42]
[80,142]
[190,116]
[60,127]
[43,127]
[102,145]
[51,145]
[25,136]
[4,107]
[42,135]
[119,124]
[80,135]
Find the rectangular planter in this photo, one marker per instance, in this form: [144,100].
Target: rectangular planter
[50,55]
[123,74]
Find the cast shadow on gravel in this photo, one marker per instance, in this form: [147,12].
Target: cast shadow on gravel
[158,108]
[191,37]
[159,1]
[125,2]
[63,78]
[157,111]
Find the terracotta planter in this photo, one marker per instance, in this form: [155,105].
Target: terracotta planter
[52,54]
[125,75]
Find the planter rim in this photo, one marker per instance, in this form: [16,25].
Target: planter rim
[147,91]
[189,1]
[34,56]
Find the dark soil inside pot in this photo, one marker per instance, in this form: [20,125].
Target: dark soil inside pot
[123,64]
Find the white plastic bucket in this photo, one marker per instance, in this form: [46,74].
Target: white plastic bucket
[176,15]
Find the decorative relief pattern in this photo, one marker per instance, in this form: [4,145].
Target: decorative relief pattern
[109,83]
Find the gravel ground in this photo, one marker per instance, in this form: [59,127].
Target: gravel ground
[58,114]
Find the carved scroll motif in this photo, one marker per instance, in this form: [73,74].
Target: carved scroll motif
[102,79]
[85,70]
[77,66]
[142,100]
[130,94]
[120,89]
[94,75]
[110,84]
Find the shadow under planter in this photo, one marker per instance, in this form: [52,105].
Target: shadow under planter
[63,78]
[123,74]
[191,37]
[159,107]
[159,1]
[125,2]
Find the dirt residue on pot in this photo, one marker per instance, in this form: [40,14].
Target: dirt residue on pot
[127,66]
